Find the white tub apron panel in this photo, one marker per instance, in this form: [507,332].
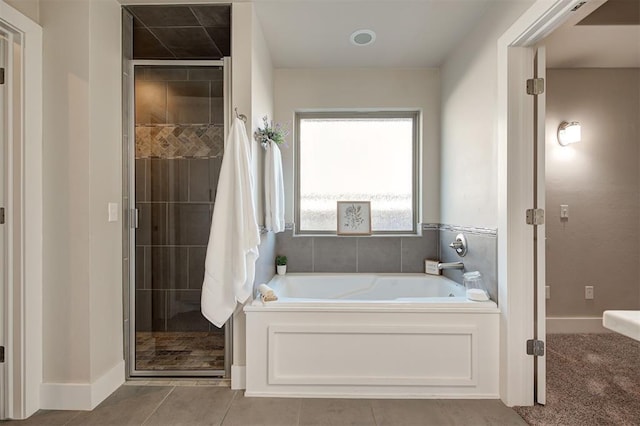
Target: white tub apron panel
[409,348]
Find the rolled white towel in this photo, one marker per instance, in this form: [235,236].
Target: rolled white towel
[477,294]
[266,293]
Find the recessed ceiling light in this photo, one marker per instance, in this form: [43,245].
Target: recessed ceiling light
[363,37]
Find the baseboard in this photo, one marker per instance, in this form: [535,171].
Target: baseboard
[81,396]
[238,377]
[359,395]
[565,325]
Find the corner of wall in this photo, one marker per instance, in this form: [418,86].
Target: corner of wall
[252,94]
[81,396]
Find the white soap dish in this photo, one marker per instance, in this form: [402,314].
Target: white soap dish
[477,294]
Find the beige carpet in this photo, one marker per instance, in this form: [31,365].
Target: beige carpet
[592,379]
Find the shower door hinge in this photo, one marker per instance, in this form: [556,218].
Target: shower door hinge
[134,218]
[1,215]
[1,75]
[535,86]
[535,217]
[1,353]
[535,347]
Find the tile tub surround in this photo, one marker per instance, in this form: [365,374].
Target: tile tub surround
[390,254]
[357,254]
[482,255]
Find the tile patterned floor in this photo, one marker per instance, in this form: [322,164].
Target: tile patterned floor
[180,350]
[214,405]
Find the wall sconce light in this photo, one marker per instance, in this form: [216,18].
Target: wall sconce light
[569,133]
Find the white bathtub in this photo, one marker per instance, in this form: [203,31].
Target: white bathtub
[358,289]
[371,336]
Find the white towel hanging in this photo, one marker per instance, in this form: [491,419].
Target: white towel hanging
[234,236]
[273,189]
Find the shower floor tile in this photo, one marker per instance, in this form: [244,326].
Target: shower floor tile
[162,351]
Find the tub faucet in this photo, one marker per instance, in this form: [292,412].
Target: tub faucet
[450,265]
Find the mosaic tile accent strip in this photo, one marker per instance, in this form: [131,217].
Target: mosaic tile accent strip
[179,141]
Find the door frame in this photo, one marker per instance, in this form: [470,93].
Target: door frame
[130,320]
[24,216]
[515,124]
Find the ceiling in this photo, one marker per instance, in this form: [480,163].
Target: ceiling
[615,12]
[606,35]
[410,33]
[315,33]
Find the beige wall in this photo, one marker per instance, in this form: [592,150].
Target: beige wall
[599,244]
[317,89]
[106,185]
[261,103]
[66,192]
[29,8]
[82,251]
[469,159]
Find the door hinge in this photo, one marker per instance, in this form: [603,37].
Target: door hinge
[1,353]
[535,347]
[1,215]
[578,6]
[535,217]
[1,75]
[535,86]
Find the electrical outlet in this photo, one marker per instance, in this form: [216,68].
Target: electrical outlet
[588,292]
[547,291]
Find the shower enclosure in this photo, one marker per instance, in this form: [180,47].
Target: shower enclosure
[177,123]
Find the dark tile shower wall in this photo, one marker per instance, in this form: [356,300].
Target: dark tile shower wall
[179,147]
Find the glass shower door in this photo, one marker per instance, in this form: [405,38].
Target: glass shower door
[179,142]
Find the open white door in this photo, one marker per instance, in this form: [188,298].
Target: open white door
[3,239]
[540,311]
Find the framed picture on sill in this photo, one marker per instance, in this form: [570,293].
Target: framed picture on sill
[354,218]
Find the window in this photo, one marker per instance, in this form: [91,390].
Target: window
[356,156]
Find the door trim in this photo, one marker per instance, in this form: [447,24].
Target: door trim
[515,193]
[24,217]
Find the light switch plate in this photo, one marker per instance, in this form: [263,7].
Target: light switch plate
[564,211]
[113,212]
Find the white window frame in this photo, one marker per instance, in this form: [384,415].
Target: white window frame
[416,178]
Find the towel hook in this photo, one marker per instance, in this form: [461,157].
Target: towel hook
[241,116]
